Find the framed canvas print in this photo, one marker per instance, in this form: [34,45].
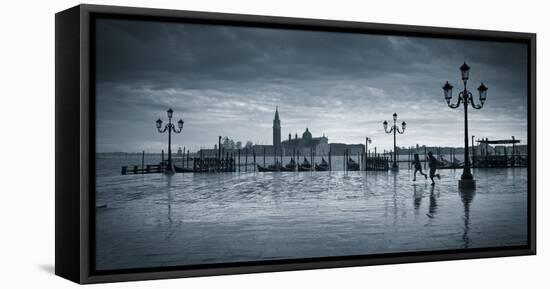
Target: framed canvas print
[193,144]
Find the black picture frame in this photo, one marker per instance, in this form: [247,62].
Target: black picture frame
[75,143]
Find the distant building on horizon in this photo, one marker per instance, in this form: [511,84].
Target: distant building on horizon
[303,145]
[297,146]
[276,129]
[341,148]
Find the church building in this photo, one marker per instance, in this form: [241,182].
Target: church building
[303,145]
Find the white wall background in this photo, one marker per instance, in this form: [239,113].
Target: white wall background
[27,146]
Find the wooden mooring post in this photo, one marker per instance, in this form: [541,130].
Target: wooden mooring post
[505,155]
[142,162]
[162,160]
[366,159]
[201,160]
[361,164]
[409,158]
[513,151]
[344,160]
[312,160]
[281,156]
[183,158]
[254,158]
[425,157]
[329,160]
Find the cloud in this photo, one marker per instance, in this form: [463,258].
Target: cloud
[225,80]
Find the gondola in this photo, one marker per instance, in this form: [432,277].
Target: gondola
[443,163]
[305,166]
[270,168]
[457,164]
[352,165]
[323,166]
[290,167]
[182,170]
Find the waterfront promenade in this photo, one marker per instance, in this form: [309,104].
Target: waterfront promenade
[162,220]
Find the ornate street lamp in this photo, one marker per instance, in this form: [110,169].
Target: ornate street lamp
[368,140]
[170,127]
[465,97]
[395,129]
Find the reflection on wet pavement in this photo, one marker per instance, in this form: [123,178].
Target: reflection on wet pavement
[158,220]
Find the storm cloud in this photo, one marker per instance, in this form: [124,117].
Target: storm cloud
[224,80]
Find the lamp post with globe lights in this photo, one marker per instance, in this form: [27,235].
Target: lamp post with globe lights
[466,98]
[395,129]
[171,128]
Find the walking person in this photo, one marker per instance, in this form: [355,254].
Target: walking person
[417,167]
[432,162]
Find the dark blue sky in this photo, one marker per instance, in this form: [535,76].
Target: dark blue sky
[227,81]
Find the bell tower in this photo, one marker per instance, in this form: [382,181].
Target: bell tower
[276,129]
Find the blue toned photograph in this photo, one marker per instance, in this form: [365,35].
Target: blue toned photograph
[226,144]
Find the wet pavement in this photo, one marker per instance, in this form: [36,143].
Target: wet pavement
[157,220]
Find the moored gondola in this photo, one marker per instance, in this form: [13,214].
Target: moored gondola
[323,166]
[442,163]
[182,170]
[271,168]
[457,164]
[304,166]
[352,165]
[290,167]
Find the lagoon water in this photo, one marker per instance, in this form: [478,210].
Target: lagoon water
[159,220]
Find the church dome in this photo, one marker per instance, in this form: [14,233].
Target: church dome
[306,135]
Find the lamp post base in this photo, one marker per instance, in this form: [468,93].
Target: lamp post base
[394,168]
[467,184]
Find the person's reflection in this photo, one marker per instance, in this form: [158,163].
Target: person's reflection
[467,197]
[417,198]
[432,210]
